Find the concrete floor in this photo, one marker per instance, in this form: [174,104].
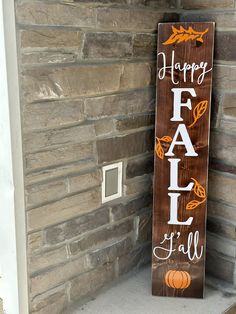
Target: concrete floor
[133,296]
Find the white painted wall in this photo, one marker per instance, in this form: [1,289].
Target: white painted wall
[13,270]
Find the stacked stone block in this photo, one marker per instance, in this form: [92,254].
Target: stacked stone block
[87,76]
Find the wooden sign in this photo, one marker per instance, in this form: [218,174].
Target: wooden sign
[184,78]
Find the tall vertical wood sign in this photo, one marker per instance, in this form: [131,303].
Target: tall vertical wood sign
[184,78]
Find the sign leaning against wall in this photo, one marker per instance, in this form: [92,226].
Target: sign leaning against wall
[184,79]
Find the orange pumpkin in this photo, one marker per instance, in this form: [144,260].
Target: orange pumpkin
[177,279]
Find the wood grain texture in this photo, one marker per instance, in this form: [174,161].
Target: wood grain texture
[190,51]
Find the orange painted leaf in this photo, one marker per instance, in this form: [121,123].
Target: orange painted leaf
[183,35]
[198,111]
[193,204]
[159,150]
[166,139]
[199,189]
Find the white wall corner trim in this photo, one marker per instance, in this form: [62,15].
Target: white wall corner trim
[13,261]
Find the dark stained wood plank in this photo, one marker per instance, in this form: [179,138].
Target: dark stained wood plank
[181,272]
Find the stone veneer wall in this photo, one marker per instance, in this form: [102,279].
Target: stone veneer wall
[87,74]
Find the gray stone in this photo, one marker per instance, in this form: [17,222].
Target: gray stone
[112,149]
[144,45]
[110,252]
[134,122]
[219,266]
[77,226]
[221,227]
[144,227]
[135,259]
[130,207]
[122,104]
[139,166]
[222,19]
[100,237]
[107,45]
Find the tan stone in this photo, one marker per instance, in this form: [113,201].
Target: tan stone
[224,77]
[216,208]
[71,82]
[52,114]
[113,18]
[50,138]
[52,278]
[60,83]
[222,187]
[84,181]
[35,242]
[90,282]
[138,186]
[45,192]
[64,209]
[52,302]
[124,19]
[55,14]
[59,171]
[229,105]
[223,147]
[59,156]
[51,38]
[104,126]
[46,259]
[136,75]
[206,4]
[47,57]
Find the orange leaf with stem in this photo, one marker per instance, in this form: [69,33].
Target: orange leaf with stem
[198,189]
[198,111]
[194,204]
[166,139]
[159,150]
